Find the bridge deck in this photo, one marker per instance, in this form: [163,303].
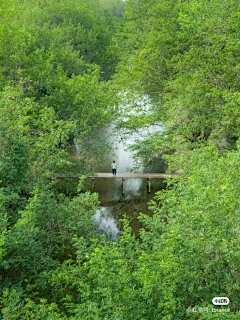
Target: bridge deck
[124,175]
[131,175]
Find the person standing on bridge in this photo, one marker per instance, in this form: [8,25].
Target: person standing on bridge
[114,167]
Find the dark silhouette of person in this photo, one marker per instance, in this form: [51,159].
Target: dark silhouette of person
[114,168]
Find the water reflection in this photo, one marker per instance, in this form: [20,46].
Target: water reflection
[107,223]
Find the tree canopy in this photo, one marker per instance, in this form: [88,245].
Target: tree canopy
[184,55]
[65,67]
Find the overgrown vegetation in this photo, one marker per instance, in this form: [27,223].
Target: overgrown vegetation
[63,65]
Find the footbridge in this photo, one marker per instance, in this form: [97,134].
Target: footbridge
[124,176]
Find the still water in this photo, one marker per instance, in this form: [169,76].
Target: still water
[113,205]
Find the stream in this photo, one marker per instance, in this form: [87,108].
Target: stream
[113,204]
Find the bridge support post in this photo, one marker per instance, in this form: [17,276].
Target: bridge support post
[149,185]
[123,186]
[92,184]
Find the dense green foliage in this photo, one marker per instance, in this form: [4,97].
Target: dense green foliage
[184,54]
[63,65]
[58,48]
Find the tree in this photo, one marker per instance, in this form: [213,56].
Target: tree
[62,51]
[189,71]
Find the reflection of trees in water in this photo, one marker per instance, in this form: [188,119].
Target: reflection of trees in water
[107,224]
[108,218]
